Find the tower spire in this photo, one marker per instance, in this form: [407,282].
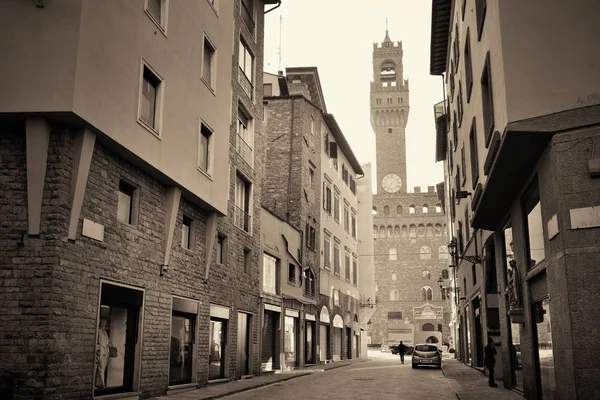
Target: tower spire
[387,35]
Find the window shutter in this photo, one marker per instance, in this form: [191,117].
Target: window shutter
[333,150]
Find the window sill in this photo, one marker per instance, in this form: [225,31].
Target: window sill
[209,176]
[158,25]
[127,224]
[209,86]
[150,129]
[242,229]
[213,8]
[190,251]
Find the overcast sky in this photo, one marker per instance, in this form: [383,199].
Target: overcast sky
[337,37]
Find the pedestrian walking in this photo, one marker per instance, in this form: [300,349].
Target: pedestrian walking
[402,351]
[489,360]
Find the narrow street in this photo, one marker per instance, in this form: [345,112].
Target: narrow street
[381,378]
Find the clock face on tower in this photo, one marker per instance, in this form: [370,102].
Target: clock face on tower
[391,183]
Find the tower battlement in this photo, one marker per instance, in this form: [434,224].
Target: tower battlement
[387,45]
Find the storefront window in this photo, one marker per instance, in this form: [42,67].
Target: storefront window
[535,233]
[116,347]
[541,313]
[183,337]
[290,340]
[218,342]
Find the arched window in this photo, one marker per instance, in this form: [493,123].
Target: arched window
[426,274]
[425,208]
[428,327]
[390,231]
[394,277]
[438,230]
[394,296]
[397,230]
[411,209]
[438,208]
[386,210]
[374,210]
[425,253]
[382,231]
[445,274]
[412,231]
[399,210]
[421,230]
[443,253]
[429,230]
[426,293]
[444,231]
[446,318]
[393,256]
[404,232]
[375,231]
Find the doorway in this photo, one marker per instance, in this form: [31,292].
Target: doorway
[243,344]
[324,353]
[218,347]
[348,343]
[270,356]
[309,357]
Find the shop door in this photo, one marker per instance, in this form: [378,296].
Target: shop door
[323,342]
[243,347]
[218,347]
[269,358]
[310,343]
[348,343]
[337,344]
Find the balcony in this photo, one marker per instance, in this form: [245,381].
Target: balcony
[242,219]
[243,149]
[245,83]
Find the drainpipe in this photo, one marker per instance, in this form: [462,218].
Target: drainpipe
[271,9]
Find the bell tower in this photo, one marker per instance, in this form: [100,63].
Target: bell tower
[389,114]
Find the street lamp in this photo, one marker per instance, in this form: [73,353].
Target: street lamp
[452,250]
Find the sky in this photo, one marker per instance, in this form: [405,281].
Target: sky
[337,37]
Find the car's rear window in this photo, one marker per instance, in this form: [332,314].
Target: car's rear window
[426,347]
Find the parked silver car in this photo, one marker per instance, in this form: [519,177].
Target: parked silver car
[426,354]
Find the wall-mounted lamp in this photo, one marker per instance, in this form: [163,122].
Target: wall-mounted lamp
[164,269]
[461,194]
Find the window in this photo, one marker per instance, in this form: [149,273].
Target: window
[467,224]
[336,207]
[454,135]
[438,208]
[352,185]
[443,253]
[392,254]
[474,273]
[412,231]
[429,230]
[426,274]
[532,208]
[242,212]
[326,252]
[463,163]
[327,197]
[411,209]
[269,275]
[375,231]
[390,231]
[404,232]
[345,175]
[326,142]
[247,11]
[480,9]
[183,343]
[386,210]
[204,143]
[459,104]
[353,224]
[425,208]
[119,326]
[244,141]
[389,130]
[208,63]
[336,297]
[394,277]
[157,10]
[127,207]
[394,314]
[187,233]
[311,176]
[443,295]
[247,261]
[150,99]
[346,218]
[396,230]
[347,266]
[426,293]
[394,296]
[421,230]
[425,253]
[445,274]
[354,270]
[291,273]
[309,283]
[311,236]
[399,210]
[336,259]
[468,66]
[246,66]
[459,238]
[474,155]
[487,100]
[267,89]
[312,126]
[221,249]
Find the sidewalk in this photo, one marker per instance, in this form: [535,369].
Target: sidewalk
[219,390]
[473,385]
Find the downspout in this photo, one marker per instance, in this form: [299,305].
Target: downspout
[271,9]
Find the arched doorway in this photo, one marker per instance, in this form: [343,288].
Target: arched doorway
[324,335]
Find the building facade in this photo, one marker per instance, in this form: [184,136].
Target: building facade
[410,252]
[521,128]
[310,181]
[127,271]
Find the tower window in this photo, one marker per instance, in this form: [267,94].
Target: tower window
[389,130]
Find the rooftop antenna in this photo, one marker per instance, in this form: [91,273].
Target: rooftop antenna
[386,26]
[280,23]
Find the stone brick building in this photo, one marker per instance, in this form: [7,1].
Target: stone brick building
[518,138]
[312,185]
[409,228]
[128,269]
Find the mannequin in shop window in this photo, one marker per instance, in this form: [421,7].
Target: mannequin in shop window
[104,350]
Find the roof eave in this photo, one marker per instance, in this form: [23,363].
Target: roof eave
[342,142]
